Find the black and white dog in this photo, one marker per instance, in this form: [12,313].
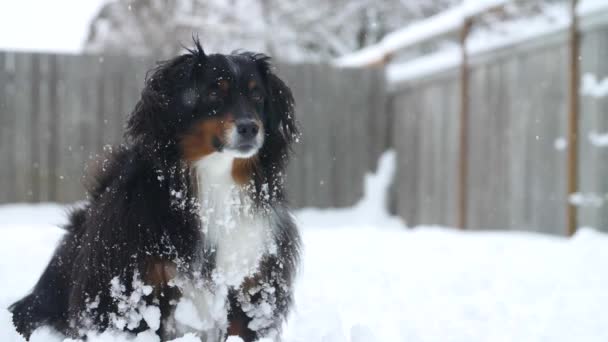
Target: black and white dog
[187,228]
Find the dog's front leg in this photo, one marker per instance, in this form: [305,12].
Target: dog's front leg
[257,309]
[238,320]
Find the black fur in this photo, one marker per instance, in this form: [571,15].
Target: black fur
[132,215]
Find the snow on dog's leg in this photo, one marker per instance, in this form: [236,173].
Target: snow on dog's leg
[258,307]
[238,320]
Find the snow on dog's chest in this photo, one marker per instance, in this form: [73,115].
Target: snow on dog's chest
[231,225]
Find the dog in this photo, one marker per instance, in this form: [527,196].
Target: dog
[186,227]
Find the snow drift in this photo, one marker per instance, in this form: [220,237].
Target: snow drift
[366,278]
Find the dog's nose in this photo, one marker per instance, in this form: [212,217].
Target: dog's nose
[247,128]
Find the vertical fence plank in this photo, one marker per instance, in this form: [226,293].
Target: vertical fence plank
[34,85]
[79,111]
[91,122]
[25,139]
[64,150]
[476,124]
[515,88]
[55,119]
[295,179]
[451,145]
[593,120]
[7,127]
[601,127]
[379,116]
[405,140]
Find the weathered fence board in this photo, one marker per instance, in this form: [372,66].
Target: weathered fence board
[338,143]
[7,127]
[593,173]
[425,133]
[24,138]
[517,175]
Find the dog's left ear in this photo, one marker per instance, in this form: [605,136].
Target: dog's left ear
[151,122]
[279,105]
[281,108]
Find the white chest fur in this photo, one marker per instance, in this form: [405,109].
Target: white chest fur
[238,233]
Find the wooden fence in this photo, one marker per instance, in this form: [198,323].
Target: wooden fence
[518,102]
[57,112]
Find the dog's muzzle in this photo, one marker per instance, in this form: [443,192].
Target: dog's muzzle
[245,138]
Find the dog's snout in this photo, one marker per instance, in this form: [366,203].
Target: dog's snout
[247,128]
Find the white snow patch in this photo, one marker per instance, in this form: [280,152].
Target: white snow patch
[370,211]
[446,59]
[500,35]
[591,6]
[152,317]
[46,334]
[187,314]
[50,26]
[560,143]
[362,282]
[116,336]
[234,339]
[147,336]
[593,87]
[47,215]
[587,199]
[132,307]
[440,24]
[361,333]
[599,140]
[189,337]
[554,18]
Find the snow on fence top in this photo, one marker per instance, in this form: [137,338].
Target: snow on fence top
[554,19]
[442,24]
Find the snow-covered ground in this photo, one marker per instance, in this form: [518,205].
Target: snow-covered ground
[366,278]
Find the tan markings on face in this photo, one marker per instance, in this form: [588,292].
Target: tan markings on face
[243,169]
[199,141]
[252,84]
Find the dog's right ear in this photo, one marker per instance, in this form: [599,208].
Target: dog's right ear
[147,123]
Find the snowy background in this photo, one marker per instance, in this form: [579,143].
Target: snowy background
[365,278]
[294,30]
[51,26]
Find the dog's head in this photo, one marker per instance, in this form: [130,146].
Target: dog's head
[232,104]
